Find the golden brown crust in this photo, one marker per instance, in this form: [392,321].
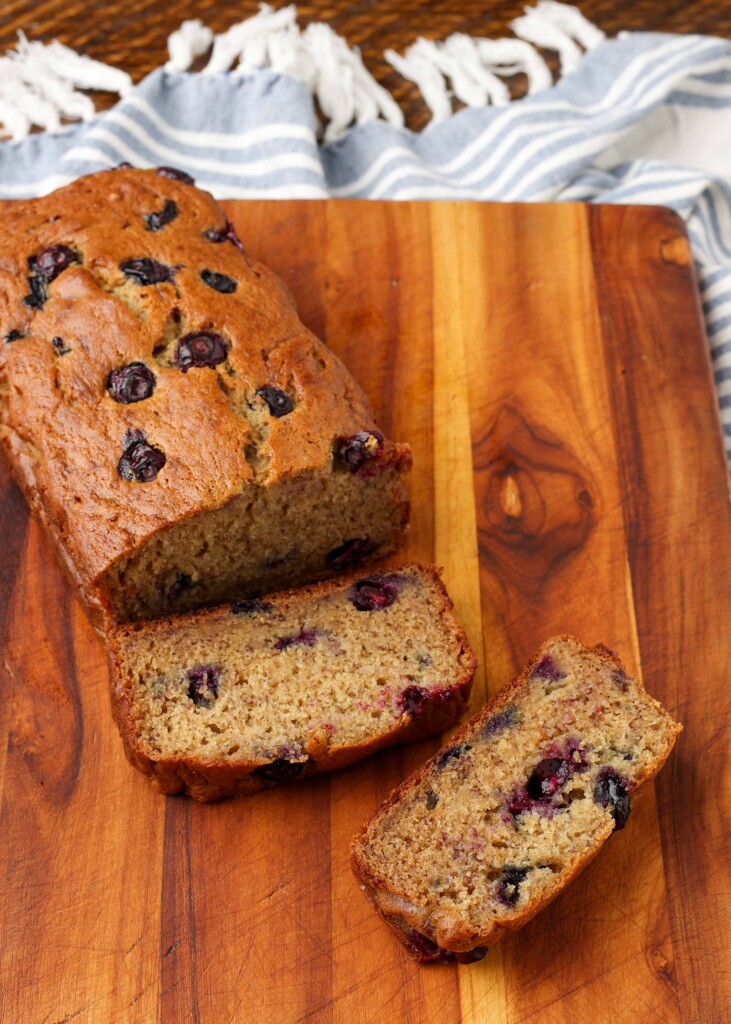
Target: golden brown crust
[212,779]
[406,918]
[62,431]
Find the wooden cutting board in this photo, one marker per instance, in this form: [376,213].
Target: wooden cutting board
[548,366]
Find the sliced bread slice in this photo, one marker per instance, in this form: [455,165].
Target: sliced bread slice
[227,700]
[501,819]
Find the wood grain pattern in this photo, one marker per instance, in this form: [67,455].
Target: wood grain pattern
[548,365]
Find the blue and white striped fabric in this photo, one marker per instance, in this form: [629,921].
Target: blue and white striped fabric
[644,119]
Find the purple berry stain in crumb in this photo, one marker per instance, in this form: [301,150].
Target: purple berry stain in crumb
[507,887]
[145,271]
[305,638]
[451,754]
[13,335]
[251,607]
[131,383]
[431,799]
[547,778]
[203,684]
[280,770]
[503,720]
[613,790]
[351,553]
[159,218]
[225,234]
[413,699]
[547,669]
[279,402]
[620,679]
[180,584]
[200,349]
[140,460]
[375,592]
[60,347]
[175,175]
[357,451]
[219,282]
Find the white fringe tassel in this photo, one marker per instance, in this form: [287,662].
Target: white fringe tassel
[39,84]
[471,66]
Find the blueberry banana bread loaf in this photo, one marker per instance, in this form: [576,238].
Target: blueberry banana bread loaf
[182,436]
[498,822]
[228,700]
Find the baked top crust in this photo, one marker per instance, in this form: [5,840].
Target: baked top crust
[248,397]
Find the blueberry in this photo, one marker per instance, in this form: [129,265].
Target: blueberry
[280,770]
[174,174]
[38,293]
[219,282]
[131,383]
[451,753]
[157,220]
[503,720]
[471,956]
[431,799]
[203,688]
[200,349]
[351,553]
[507,887]
[250,607]
[124,166]
[413,699]
[375,593]
[613,790]
[305,638]
[146,271]
[225,234]
[280,404]
[359,449]
[179,585]
[429,951]
[50,262]
[547,669]
[60,346]
[139,459]
[13,335]
[547,778]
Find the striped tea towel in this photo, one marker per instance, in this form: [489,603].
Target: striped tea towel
[644,118]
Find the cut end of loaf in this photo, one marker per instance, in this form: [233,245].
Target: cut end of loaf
[301,529]
[498,822]
[274,689]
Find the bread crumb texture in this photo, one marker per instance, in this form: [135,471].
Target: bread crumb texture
[500,820]
[272,689]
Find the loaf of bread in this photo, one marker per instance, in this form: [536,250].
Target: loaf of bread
[181,435]
[501,819]
[227,700]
